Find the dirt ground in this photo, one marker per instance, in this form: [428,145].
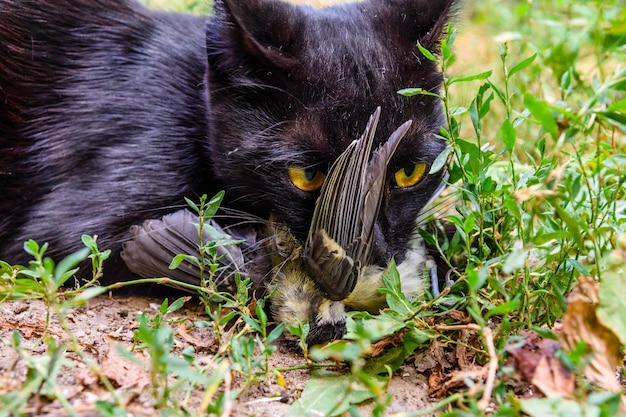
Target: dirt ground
[110,320]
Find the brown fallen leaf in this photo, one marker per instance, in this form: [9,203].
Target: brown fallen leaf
[475,373]
[581,323]
[461,316]
[29,331]
[435,385]
[121,372]
[439,353]
[536,362]
[197,343]
[468,371]
[552,378]
[424,361]
[466,352]
[392,340]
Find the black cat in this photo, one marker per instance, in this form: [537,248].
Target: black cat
[111,113]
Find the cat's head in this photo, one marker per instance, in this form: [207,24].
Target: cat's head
[291,86]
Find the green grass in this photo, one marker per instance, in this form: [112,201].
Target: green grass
[537,157]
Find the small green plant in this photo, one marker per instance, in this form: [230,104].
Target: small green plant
[169,372]
[44,280]
[42,373]
[301,332]
[208,259]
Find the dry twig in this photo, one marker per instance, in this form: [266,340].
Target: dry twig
[493,358]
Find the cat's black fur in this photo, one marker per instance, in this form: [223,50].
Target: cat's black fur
[108,114]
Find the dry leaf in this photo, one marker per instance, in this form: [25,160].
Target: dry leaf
[537,364]
[122,372]
[475,373]
[392,340]
[435,385]
[460,316]
[194,341]
[424,361]
[581,323]
[465,356]
[438,352]
[552,378]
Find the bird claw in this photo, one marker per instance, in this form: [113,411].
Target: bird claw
[329,266]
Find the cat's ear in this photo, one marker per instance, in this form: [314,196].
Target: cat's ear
[253,34]
[407,22]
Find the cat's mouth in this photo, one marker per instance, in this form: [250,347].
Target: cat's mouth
[341,235]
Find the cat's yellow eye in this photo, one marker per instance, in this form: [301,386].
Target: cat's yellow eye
[410,174]
[306,179]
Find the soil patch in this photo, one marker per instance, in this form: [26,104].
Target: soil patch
[107,323]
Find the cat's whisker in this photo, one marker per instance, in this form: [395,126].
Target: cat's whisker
[438,209]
